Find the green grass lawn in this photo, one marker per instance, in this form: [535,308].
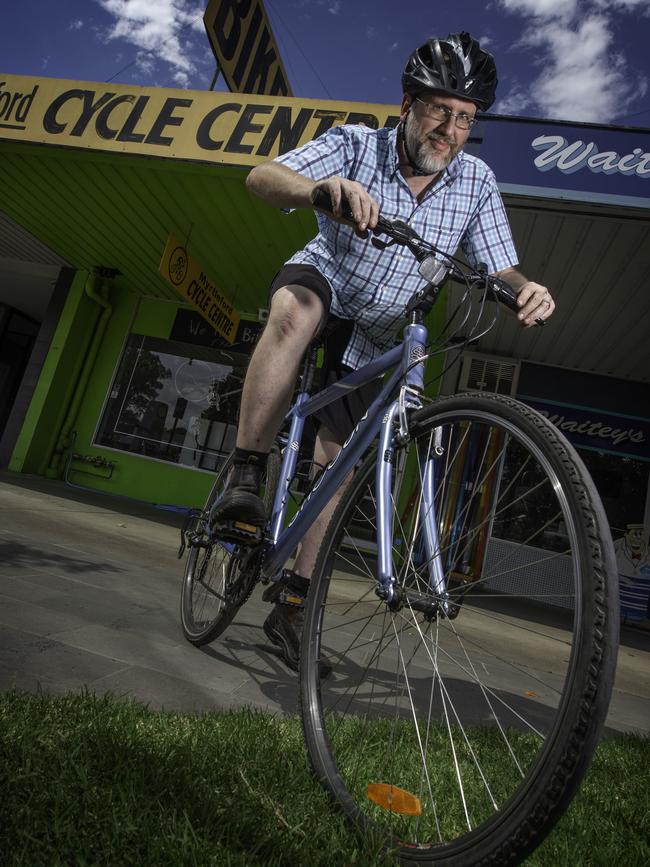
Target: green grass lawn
[86,780]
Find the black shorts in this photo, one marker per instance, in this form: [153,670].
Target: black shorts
[342,416]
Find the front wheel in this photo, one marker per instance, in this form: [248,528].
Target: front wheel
[460,735]
[219,576]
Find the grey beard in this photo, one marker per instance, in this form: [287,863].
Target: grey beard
[424,162]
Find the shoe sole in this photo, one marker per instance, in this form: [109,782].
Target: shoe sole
[278,639]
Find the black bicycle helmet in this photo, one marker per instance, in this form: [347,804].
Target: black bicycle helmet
[456,65]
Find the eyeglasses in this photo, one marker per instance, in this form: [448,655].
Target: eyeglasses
[442,114]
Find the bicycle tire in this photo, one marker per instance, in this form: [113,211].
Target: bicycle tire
[219,577]
[490,786]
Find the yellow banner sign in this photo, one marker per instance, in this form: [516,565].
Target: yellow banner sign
[223,128]
[190,280]
[242,40]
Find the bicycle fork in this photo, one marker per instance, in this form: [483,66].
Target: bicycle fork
[421,526]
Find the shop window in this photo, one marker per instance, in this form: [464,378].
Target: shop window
[527,508]
[174,402]
[622,483]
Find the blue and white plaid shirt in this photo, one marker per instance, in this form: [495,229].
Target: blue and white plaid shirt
[371,286]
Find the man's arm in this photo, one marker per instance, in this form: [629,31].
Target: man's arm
[535,301]
[282,187]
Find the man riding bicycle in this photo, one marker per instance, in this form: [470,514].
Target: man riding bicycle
[341,287]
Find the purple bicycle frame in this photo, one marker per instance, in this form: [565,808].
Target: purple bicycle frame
[378,418]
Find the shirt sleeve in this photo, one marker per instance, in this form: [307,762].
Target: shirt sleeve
[332,153]
[488,237]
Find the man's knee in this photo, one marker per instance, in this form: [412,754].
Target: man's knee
[296,312]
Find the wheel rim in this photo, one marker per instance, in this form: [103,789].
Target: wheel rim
[212,580]
[454,718]
[219,576]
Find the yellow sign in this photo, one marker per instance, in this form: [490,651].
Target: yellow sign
[190,280]
[222,128]
[242,40]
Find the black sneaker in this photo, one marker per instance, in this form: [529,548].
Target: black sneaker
[284,627]
[240,509]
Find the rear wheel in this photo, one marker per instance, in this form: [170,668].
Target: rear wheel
[219,577]
[461,737]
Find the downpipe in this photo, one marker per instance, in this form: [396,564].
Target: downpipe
[97,290]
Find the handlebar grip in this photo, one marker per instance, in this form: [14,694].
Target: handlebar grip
[504,293]
[323,202]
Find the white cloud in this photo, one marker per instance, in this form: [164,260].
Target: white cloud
[515,103]
[542,8]
[394,46]
[583,78]
[335,8]
[181,78]
[371,32]
[145,63]
[155,27]
[642,6]
[77,24]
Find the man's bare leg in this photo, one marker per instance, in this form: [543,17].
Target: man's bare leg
[294,318]
[326,449]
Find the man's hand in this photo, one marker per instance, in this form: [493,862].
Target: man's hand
[365,209]
[535,302]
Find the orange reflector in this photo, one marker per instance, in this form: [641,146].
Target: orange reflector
[394,799]
[249,528]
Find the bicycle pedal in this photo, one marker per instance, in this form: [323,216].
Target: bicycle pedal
[239,532]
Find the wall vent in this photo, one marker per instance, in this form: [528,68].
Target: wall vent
[488,373]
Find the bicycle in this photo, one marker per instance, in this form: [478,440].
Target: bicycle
[462,711]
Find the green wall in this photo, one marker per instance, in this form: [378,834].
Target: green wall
[57,382]
[133,476]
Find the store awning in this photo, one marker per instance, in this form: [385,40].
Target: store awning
[102,174]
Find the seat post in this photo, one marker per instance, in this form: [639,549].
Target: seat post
[309,367]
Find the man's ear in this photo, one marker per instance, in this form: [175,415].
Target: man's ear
[407,101]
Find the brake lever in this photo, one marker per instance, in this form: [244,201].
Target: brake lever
[399,231]
[382,245]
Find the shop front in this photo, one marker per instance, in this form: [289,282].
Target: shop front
[607,422]
[137,392]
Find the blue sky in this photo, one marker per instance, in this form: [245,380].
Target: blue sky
[581,60]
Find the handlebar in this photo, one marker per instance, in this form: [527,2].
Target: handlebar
[435,266]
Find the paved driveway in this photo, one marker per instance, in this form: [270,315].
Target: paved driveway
[89,592]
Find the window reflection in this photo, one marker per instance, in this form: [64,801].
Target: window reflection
[174,402]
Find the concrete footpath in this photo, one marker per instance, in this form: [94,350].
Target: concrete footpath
[89,598]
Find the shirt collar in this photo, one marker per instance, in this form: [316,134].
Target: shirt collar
[391,161]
